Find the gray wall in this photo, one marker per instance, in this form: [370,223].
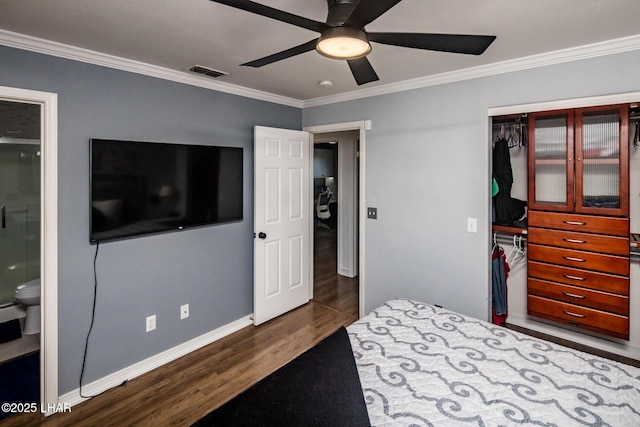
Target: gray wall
[428,169]
[210,268]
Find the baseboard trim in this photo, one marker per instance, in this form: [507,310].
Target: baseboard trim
[612,345]
[117,378]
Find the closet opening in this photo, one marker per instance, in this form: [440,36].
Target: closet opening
[576,167]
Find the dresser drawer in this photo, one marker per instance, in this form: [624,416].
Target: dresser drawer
[581,241]
[613,264]
[577,277]
[580,223]
[604,301]
[594,320]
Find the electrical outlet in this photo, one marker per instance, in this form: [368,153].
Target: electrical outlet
[151,323]
[184,311]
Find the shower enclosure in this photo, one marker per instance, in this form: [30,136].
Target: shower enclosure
[19,196]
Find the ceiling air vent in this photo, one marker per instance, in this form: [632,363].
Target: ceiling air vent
[199,69]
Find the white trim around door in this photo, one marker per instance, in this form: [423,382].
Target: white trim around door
[340,127]
[49,239]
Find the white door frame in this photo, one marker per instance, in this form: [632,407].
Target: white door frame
[49,239]
[340,127]
[345,193]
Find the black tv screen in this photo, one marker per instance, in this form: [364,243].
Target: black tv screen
[147,187]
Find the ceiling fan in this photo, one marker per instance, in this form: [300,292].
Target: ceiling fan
[343,36]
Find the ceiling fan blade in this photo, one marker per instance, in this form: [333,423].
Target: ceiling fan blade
[297,50]
[455,43]
[276,14]
[362,70]
[368,11]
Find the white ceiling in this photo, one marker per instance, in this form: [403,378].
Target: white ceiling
[176,34]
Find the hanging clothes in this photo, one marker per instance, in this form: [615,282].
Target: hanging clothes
[500,272]
[503,175]
[506,209]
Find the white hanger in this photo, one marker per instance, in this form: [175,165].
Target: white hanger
[512,251]
[517,250]
[521,247]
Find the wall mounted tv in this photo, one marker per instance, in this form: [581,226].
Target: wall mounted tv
[139,188]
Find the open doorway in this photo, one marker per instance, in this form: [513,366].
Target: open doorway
[44,219]
[335,192]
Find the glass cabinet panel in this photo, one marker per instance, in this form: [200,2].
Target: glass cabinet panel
[600,170]
[579,161]
[552,150]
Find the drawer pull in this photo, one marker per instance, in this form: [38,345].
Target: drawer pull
[571,258]
[569,276]
[569,313]
[574,240]
[570,295]
[574,223]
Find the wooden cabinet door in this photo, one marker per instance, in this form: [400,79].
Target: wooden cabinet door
[602,160]
[551,161]
[579,161]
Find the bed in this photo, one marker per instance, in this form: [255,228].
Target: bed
[423,365]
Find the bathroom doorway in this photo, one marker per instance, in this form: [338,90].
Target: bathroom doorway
[29,194]
[20,213]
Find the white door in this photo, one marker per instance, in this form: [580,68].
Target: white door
[282,221]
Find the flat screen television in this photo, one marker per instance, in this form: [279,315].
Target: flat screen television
[139,188]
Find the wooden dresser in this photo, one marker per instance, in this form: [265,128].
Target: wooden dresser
[578,230]
[578,271]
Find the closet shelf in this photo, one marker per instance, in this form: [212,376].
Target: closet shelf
[508,229]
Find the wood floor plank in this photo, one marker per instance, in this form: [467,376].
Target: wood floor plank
[184,390]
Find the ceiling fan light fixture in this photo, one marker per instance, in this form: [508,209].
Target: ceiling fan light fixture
[343,43]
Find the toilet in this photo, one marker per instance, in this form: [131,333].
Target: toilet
[28,294]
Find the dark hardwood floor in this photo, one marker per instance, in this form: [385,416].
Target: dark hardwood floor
[329,288]
[181,392]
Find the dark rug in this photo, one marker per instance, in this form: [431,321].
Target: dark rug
[10,331]
[320,387]
[20,381]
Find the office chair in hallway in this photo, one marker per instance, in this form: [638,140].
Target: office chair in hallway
[322,209]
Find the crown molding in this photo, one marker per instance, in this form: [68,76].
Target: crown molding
[594,50]
[48,47]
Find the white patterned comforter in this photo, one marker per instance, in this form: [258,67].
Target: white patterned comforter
[423,365]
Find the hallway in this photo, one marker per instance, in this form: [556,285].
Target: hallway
[329,288]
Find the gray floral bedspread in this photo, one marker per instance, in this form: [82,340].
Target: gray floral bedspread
[426,366]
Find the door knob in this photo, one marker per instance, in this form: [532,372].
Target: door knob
[262,235]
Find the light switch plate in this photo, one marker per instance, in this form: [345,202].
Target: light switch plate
[472,225]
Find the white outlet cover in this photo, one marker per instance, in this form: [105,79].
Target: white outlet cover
[184,311]
[151,323]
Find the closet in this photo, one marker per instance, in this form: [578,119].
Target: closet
[578,218]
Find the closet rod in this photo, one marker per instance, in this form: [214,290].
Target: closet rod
[509,120]
[503,238]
